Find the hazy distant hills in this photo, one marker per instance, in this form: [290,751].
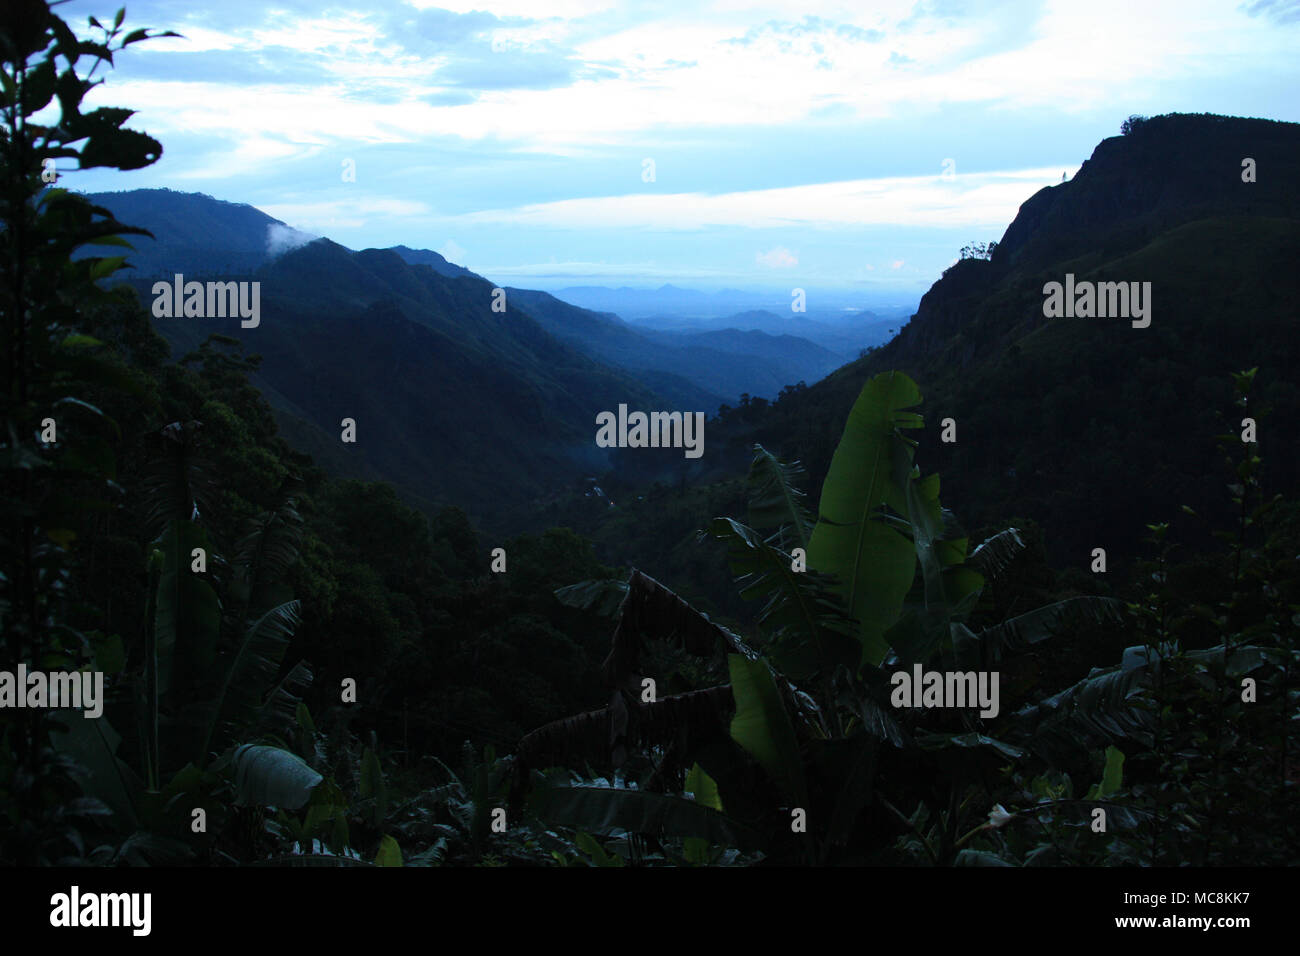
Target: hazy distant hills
[636,304]
[453,401]
[1089,425]
[197,235]
[845,335]
[707,368]
[759,363]
[834,320]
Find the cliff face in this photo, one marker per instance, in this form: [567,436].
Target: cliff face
[1168,172]
[1090,425]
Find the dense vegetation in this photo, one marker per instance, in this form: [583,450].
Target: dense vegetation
[331,675]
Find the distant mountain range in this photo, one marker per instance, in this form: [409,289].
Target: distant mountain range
[454,400]
[669,300]
[198,235]
[845,335]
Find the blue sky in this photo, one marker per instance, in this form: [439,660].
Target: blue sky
[791,144]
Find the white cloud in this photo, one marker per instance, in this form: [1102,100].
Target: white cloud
[281,239]
[452,252]
[677,68]
[778,258]
[988,199]
[896,264]
[344,213]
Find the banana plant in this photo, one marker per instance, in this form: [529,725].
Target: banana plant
[214,641]
[883,579]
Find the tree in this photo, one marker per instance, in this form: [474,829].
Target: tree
[51,479]
[1132,124]
[978,250]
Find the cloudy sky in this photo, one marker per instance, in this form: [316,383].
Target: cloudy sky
[854,145]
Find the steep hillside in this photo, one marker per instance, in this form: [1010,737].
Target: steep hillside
[1089,425]
[193,232]
[453,402]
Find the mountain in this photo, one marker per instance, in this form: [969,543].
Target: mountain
[1089,425]
[670,301]
[701,371]
[844,333]
[607,338]
[780,359]
[194,233]
[434,260]
[453,402]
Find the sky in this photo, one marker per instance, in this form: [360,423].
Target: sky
[854,146]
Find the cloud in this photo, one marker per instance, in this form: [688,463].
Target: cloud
[1279,11]
[989,199]
[345,213]
[896,264]
[281,239]
[783,33]
[778,258]
[452,252]
[585,75]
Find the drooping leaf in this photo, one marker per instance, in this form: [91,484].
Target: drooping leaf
[807,628]
[602,596]
[249,671]
[995,554]
[698,716]
[1101,708]
[994,643]
[264,555]
[762,726]
[271,777]
[776,503]
[279,710]
[652,611]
